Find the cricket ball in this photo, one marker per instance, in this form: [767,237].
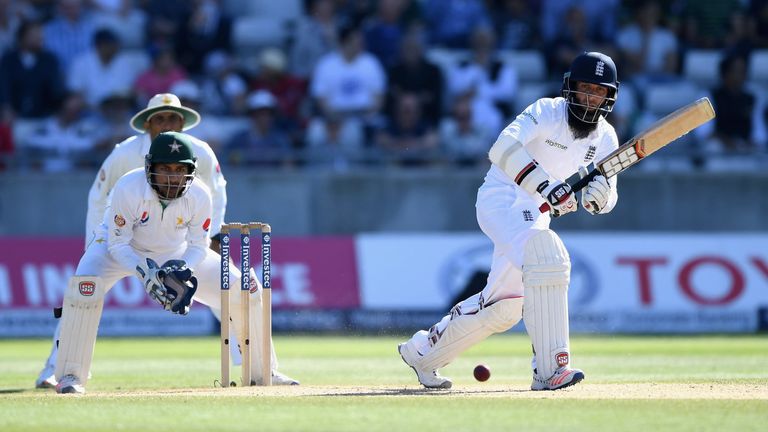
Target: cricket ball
[482,373]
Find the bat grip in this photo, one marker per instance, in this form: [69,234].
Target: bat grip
[579,185]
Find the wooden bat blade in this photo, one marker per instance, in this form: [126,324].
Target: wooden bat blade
[658,135]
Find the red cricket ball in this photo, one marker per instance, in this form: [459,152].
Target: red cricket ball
[482,373]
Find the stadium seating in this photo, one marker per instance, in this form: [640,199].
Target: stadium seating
[662,99]
[701,67]
[758,67]
[250,34]
[529,64]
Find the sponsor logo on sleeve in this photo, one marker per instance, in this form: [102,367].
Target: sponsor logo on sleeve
[530,116]
[207,224]
[87,288]
[119,221]
[144,217]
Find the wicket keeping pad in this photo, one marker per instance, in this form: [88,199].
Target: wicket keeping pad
[83,303]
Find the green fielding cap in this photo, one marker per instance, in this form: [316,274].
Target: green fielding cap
[171,147]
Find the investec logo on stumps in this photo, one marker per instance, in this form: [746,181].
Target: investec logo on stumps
[225,262]
[246,264]
[266,251]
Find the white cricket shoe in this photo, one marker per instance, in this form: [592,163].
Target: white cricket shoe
[46,379]
[70,384]
[563,377]
[282,379]
[427,378]
[278,379]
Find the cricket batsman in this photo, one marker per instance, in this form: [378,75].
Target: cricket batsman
[530,271]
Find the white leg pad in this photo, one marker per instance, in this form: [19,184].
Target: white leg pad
[83,303]
[546,275]
[468,323]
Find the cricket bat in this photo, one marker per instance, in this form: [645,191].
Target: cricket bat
[659,134]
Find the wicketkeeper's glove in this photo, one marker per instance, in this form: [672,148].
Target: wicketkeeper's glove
[152,278]
[180,286]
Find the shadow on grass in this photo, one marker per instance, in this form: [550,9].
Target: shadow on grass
[421,392]
[11,391]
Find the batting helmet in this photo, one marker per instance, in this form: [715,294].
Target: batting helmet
[594,68]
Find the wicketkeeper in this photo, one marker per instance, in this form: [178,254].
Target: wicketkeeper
[164,113]
[160,214]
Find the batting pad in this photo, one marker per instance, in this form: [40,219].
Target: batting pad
[546,275]
[470,325]
[80,318]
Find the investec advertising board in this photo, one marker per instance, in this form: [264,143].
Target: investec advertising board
[309,275]
[620,282]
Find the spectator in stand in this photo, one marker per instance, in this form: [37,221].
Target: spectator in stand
[102,70]
[11,15]
[758,13]
[66,140]
[335,143]
[491,83]
[407,136]
[263,142]
[223,89]
[600,18]
[742,35]
[6,143]
[124,18]
[288,90]
[315,36]
[650,51]
[415,74]
[451,22]
[166,18]
[207,130]
[70,32]
[705,23]
[114,118]
[353,12]
[515,22]
[350,82]
[572,39]
[161,75]
[30,81]
[206,30]
[740,123]
[384,31]
[463,141]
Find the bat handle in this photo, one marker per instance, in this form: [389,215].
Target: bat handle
[579,185]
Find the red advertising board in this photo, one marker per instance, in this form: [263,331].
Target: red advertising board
[307,273]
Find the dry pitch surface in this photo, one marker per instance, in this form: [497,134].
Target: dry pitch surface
[581,391]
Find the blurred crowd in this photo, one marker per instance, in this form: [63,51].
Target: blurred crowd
[338,83]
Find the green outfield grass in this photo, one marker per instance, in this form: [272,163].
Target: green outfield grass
[360,384]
